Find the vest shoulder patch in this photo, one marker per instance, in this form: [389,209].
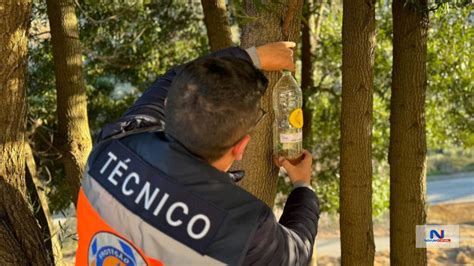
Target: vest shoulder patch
[156,198]
[109,249]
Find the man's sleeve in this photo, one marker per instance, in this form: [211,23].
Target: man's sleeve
[148,110]
[289,241]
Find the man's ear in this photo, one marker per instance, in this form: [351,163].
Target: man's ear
[239,148]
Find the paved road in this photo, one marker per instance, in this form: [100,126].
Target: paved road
[453,190]
[456,189]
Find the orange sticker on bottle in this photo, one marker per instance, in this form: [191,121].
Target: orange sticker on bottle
[296,118]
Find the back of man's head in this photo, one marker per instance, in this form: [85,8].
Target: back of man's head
[213,103]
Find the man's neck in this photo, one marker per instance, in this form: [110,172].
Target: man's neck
[222,164]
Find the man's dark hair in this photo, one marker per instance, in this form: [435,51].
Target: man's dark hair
[212,103]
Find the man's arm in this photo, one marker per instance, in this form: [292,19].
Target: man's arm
[289,242]
[148,110]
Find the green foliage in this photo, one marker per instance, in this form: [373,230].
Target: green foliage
[380,192]
[127,45]
[136,42]
[433,6]
[450,95]
[325,105]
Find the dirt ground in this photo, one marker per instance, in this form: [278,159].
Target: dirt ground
[459,256]
[462,214]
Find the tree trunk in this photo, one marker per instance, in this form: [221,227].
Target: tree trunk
[39,201]
[307,49]
[73,138]
[21,241]
[267,27]
[306,71]
[217,24]
[407,152]
[358,42]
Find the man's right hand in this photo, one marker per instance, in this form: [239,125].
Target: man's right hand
[276,56]
[299,172]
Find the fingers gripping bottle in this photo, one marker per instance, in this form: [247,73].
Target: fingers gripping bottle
[288,123]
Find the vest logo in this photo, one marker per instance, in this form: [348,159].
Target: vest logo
[107,249]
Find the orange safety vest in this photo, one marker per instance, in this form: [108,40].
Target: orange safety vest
[101,245]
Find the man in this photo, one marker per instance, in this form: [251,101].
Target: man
[164,197]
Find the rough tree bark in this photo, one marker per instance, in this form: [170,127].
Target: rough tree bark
[407,152]
[21,240]
[73,138]
[306,70]
[280,22]
[39,200]
[309,43]
[217,24]
[358,42]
